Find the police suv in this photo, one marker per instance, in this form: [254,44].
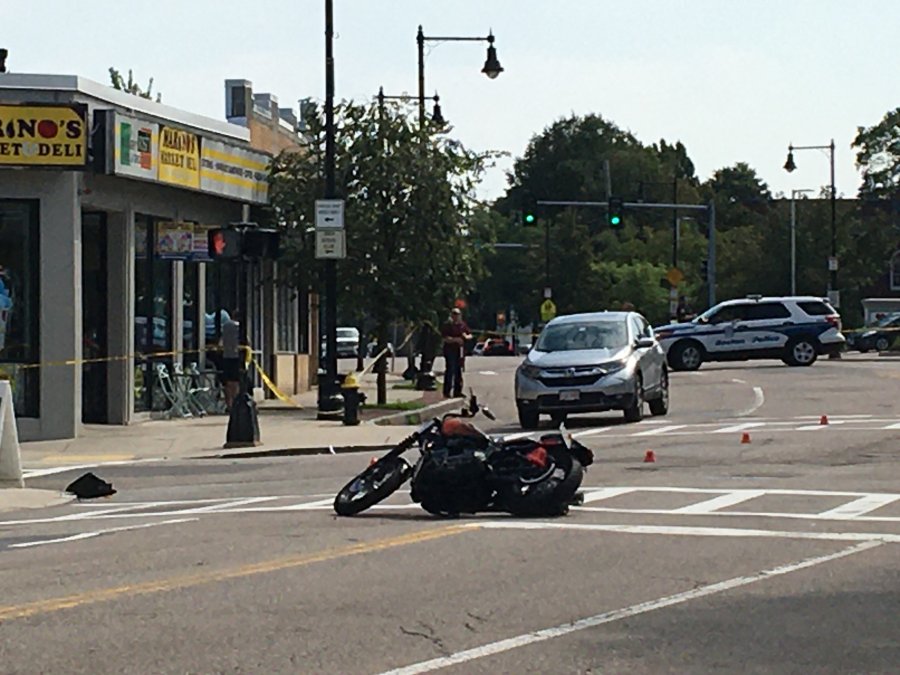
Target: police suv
[793,329]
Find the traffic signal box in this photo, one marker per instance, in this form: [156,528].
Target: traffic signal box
[230,243]
[614,213]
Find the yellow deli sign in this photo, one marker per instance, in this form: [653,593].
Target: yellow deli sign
[36,135]
[179,158]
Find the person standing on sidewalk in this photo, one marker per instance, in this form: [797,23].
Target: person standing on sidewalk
[455,333]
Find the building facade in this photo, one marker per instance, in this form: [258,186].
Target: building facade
[105,201]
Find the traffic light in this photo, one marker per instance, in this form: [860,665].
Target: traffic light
[529,214]
[260,243]
[229,243]
[224,243]
[614,213]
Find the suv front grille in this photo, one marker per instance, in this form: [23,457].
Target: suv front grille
[570,377]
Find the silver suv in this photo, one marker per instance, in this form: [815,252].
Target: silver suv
[591,363]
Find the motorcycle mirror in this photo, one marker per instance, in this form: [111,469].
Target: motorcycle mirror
[488,413]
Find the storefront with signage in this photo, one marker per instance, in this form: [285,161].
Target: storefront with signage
[105,202]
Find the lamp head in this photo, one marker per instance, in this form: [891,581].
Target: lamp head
[789,164]
[492,67]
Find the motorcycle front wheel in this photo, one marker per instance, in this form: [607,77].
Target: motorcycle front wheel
[373,485]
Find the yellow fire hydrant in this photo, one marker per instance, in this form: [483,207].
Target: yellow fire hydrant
[353,399]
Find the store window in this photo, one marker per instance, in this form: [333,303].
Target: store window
[191,313]
[152,317]
[20,302]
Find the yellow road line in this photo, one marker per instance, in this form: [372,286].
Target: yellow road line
[186,581]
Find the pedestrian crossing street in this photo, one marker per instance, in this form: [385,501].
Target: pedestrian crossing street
[663,428]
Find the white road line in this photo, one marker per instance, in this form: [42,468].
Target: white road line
[660,430]
[49,471]
[592,432]
[740,514]
[892,426]
[739,427]
[486,372]
[605,493]
[609,617]
[97,533]
[859,507]
[737,381]
[811,427]
[721,502]
[682,531]
[758,399]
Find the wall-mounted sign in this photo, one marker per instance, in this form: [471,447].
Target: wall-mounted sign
[43,135]
[174,240]
[234,172]
[331,244]
[135,148]
[179,157]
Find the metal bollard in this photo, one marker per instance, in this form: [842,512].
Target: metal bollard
[353,399]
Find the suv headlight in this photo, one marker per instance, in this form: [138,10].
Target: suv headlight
[613,366]
[529,371]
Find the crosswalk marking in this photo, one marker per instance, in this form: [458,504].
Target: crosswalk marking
[660,430]
[720,502]
[859,506]
[739,427]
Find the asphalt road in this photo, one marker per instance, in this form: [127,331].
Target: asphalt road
[778,555]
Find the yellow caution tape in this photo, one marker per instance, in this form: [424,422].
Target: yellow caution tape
[273,387]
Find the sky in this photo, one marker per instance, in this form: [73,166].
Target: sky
[734,80]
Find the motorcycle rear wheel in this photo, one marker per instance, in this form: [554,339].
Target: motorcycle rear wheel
[373,485]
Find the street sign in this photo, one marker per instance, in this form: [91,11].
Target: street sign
[832,264]
[548,310]
[548,292]
[331,244]
[329,214]
[674,276]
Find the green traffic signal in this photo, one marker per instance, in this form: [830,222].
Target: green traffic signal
[614,212]
[615,220]
[529,219]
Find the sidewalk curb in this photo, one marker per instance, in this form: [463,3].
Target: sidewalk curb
[295,452]
[413,417]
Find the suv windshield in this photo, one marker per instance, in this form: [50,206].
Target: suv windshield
[347,333]
[565,337]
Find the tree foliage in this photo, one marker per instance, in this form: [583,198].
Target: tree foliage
[410,211]
[879,157]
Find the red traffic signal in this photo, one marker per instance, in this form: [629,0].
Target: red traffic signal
[224,243]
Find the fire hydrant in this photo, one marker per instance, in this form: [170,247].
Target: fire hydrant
[353,399]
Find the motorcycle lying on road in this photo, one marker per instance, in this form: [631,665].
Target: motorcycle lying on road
[460,470]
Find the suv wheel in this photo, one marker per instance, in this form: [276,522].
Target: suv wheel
[528,419]
[660,406]
[800,352]
[635,411]
[882,344]
[686,355]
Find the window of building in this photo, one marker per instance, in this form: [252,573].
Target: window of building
[152,316]
[20,302]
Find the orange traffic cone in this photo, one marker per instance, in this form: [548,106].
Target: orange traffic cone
[745,437]
[650,456]
[823,419]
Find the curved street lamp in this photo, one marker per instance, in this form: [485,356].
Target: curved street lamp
[790,166]
[492,67]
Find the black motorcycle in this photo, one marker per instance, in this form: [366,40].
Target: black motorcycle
[462,470]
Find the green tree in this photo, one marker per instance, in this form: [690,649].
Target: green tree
[131,86]
[879,157]
[410,213]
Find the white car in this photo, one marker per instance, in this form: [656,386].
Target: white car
[794,329]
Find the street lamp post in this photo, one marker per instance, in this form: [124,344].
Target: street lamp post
[789,166]
[492,67]
[330,402]
[437,117]
[794,194]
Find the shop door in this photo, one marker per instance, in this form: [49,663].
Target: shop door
[94,317]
